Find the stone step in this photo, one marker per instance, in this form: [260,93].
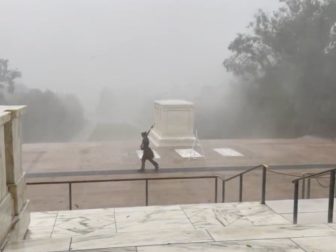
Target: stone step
[235,226]
[275,237]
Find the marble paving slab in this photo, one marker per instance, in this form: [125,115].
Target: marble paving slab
[41,225]
[198,227]
[333,225]
[261,215]
[86,212]
[215,205]
[246,205]
[270,232]
[228,152]
[140,153]
[220,215]
[188,153]
[127,249]
[42,219]
[39,233]
[61,233]
[139,239]
[147,209]
[41,245]
[317,244]
[309,218]
[93,224]
[158,219]
[277,245]
[211,215]
[254,213]
[305,205]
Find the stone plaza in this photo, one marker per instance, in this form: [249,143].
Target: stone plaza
[182,215]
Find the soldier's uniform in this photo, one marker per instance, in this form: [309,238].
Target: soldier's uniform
[147,152]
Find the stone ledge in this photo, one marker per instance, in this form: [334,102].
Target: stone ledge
[14,110]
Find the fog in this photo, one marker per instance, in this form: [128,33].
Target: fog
[118,56]
[82,46]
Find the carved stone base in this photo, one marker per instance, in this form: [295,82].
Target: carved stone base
[18,192]
[21,226]
[6,216]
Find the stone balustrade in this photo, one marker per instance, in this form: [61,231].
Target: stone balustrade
[14,207]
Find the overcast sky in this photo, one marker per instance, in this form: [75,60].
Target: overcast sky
[80,46]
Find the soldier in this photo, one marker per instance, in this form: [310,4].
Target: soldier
[147,151]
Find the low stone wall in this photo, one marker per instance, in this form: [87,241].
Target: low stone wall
[14,207]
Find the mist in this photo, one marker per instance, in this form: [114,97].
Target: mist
[82,46]
[117,57]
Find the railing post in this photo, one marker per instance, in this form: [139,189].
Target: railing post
[241,188]
[296,201]
[223,191]
[303,188]
[216,189]
[308,188]
[70,196]
[146,192]
[335,189]
[331,196]
[263,188]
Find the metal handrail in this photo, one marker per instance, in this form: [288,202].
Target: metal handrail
[241,175]
[305,185]
[332,173]
[306,190]
[146,179]
[312,175]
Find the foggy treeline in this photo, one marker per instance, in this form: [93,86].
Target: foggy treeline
[285,81]
[50,117]
[283,85]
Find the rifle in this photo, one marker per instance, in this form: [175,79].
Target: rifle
[150,129]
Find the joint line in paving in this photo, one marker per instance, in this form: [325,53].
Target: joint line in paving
[188,218]
[297,244]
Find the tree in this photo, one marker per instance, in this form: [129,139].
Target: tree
[288,62]
[50,117]
[7,76]
[331,48]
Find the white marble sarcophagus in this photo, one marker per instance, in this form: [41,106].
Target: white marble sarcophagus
[174,123]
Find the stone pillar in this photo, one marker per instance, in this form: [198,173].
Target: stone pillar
[13,140]
[174,123]
[6,200]
[14,173]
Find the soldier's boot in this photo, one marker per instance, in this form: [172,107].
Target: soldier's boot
[156,165]
[142,169]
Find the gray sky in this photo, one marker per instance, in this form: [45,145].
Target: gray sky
[80,46]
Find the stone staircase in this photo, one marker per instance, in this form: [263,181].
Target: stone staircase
[247,226]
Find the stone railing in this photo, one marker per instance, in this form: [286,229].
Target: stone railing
[14,207]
